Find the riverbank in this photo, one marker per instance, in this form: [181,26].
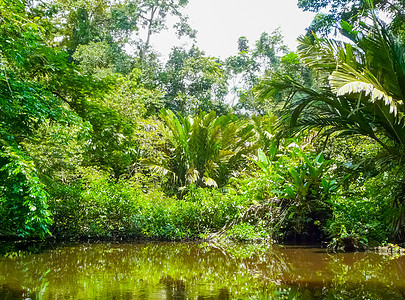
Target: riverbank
[390,249]
[15,244]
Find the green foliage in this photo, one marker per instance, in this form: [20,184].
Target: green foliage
[266,131]
[202,211]
[303,175]
[23,200]
[132,98]
[25,105]
[269,47]
[95,205]
[58,149]
[217,208]
[363,214]
[246,68]
[204,150]
[94,58]
[335,11]
[92,205]
[194,82]
[322,24]
[303,184]
[112,145]
[78,127]
[362,94]
[88,21]
[26,102]
[244,232]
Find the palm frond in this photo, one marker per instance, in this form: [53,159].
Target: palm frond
[203,146]
[192,175]
[210,182]
[157,167]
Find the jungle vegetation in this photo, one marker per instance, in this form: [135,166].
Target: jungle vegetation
[97,142]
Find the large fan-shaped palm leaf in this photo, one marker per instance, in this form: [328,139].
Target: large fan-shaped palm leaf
[364,93]
[204,149]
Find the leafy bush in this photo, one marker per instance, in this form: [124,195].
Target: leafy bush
[23,200]
[92,205]
[364,213]
[301,182]
[200,212]
[96,205]
[246,232]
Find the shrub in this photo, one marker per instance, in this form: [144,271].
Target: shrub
[95,205]
[364,213]
[23,200]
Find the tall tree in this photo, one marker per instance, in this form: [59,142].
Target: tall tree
[192,82]
[247,67]
[152,16]
[91,26]
[352,12]
[25,103]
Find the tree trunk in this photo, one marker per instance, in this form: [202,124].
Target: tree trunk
[145,47]
[399,221]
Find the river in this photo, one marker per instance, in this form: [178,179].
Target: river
[197,271]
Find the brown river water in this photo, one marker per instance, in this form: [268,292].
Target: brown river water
[197,271]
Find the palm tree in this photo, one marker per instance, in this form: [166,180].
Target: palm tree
[363,95]
[204,150]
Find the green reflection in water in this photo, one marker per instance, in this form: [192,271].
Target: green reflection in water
[199,271]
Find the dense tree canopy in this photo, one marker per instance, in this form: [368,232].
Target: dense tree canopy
[194,82]
[352,12]
[96,140]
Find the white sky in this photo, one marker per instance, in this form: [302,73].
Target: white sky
[221,22]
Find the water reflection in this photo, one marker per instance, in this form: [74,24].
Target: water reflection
[199,271]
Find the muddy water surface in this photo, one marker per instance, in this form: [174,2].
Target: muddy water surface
[198,271]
